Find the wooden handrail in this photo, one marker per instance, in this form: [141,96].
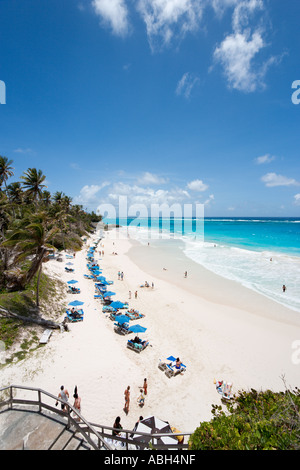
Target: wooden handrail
[70,409]
[86,428]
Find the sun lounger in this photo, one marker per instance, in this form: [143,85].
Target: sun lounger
[74,317]
[74,290]
[137,347]
[224,389]
[69,270]
[172,370]
[134,315]
[169,367]
[121,329]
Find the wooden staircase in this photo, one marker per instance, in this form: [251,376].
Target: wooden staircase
[25,430]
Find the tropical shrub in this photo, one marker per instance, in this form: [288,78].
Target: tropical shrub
[252,421]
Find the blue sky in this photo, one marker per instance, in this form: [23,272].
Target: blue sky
[163,101]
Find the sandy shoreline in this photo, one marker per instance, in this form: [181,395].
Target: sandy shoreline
[219,330]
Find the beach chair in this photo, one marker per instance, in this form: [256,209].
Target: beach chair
[74,290]
[172,370]
[121,329]
[224,389]
[162,365]
[137,346]
[69,270]
[134,315]
[108,309]
[169,367]
[74,317]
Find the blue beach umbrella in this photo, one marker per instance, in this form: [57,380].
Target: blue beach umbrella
[72,281]
[108,294]
[69,264]
[75,303]
[122,319]
[117,304]
[137,329]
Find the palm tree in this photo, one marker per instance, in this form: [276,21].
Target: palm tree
[46,198]
[33,180]
[31,238]
[14,192]
[6,170]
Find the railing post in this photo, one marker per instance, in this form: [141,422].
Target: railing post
[11,397]
[40,402]
[69,417]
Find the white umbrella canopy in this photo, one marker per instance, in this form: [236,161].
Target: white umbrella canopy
[153,425]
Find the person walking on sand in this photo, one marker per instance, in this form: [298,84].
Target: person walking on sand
[129,294]
[77,402]
[135,294]
[127,399]
[63,395]
[145,386]
[185,274]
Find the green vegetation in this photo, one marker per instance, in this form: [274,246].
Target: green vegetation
[32,223]
[252,421]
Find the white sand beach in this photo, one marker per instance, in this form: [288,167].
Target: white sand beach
[219,329]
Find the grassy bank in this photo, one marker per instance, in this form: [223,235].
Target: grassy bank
[19,337]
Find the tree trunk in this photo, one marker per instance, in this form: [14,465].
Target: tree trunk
[39,321]
[38,285]
[36,263]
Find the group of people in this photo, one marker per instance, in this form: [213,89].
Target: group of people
[64,397]
[135,294]
[140,399]
[118,427]
[120,275]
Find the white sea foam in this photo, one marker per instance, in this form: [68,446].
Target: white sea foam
[262,271]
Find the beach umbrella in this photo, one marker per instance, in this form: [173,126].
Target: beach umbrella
[108,294]
[153,425]
[122,319]
[69,264]
[117,304]
[75,303]
[72,281]
[137,329]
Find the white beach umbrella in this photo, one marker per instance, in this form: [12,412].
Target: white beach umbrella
[153,425]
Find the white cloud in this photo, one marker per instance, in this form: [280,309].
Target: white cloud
[197,185]
[186,84]
[210,198]
[242,13]
[166,19]
[114,13]
[151,178]
[272,179]
[23,150]
[264,159]
[88,195]
[238,52]
[297,199]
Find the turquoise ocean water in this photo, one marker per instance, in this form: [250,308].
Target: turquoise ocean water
[260,253]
